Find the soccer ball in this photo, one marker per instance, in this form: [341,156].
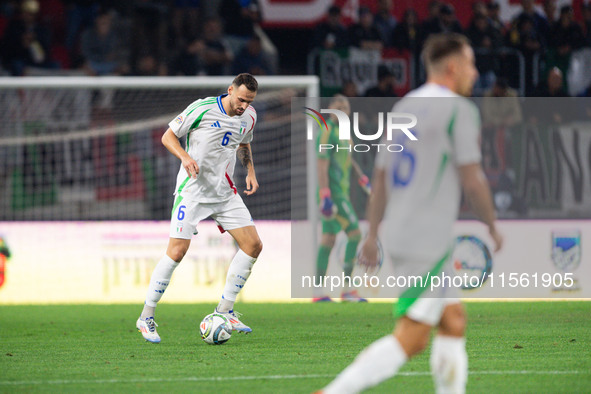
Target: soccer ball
[215,329]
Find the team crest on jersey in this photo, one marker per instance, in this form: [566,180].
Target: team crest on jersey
[242,127]
[179,119]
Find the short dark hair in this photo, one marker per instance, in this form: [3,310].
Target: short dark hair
[247,80]
[439,46]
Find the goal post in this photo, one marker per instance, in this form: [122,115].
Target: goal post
[88,148]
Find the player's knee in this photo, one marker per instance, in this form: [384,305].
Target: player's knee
[328,240]
[176,252]
[257,247]
[421,344]
[453,322]
[254,247]
[354,235]
[413,345]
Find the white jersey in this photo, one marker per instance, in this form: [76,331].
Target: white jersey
[212,138]
[422,181]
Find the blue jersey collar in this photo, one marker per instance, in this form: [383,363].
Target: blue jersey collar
[219,100]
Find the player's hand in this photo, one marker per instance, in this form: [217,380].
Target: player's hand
[191,167]
[497,238]
[326,203]
[251,185]
[369,255]
[365,184]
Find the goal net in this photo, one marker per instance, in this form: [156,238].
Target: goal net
[78,148]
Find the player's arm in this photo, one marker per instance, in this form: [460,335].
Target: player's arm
[326,203]
[377,202]
[478,194]
[171,142]
[362,179]
[375,214]
[244,154]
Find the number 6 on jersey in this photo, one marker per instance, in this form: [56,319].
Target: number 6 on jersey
[226,138]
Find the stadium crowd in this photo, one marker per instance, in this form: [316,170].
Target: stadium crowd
[194,37]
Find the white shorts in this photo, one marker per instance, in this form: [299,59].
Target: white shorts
[229,215]
[426,306]
[429,310]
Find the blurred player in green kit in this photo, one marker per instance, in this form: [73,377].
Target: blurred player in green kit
[334,173]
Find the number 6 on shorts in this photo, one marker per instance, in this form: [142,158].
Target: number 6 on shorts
[181,214]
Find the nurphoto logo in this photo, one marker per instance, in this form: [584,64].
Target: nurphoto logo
[396,122]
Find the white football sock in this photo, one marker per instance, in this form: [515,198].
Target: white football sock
[449,364]
[158,284]
[238,273]
[378,362]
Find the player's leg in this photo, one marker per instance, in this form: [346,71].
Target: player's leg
[353,238]
[182,227]
[233,216]
[382,359]
[449,360]
[330,228]
[418,311]
[250,247]
[176,250]
[348,218]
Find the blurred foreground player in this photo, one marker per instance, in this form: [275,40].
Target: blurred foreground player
[419,208]
[217,129]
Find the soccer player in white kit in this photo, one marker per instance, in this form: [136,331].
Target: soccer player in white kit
[417,192]
[217,130]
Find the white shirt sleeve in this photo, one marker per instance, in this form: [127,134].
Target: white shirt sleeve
[466,134]
[181,125]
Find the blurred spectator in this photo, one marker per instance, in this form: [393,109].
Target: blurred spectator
[479,9]
[100,47]
[385,85]
[252,59]
[538,21]
[500,106]
[217,56]
[349,89]
[331,34]
[448,22]
[240,17]
[365,34]
[431,24]
[485,40]
[26,43]
[545,27]
[406,34]
[586,8]
[494,16]
[385,21]
[188,60]
[149,35]
[186,19]
[482,34]
[445,22]
[546,112]
[148,65]
[524,35]
[566,34]
[80,15]
[554,85]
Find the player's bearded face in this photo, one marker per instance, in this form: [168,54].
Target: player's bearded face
[240,98]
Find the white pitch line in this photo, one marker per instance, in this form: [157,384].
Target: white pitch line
[263,377]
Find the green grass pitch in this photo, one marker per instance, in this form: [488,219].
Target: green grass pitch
[522,347]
